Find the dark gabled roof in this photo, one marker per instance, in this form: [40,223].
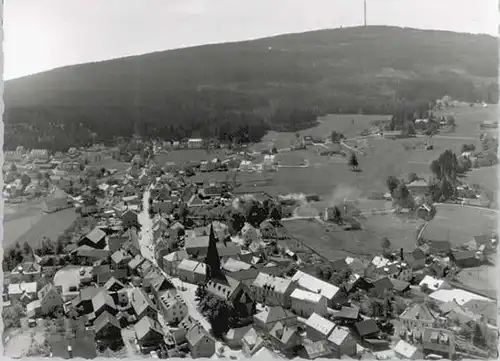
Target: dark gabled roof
[96,235]
[145,325]
[382,284]
[244,275]
[340,265]
[366,327]
[113,281]
[399,285]
[348,313]
[464,255]
[104,320]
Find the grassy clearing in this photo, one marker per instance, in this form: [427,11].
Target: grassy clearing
[463,223]
[49,225]
[483,278]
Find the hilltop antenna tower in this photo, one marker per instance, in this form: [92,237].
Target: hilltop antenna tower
[365,11]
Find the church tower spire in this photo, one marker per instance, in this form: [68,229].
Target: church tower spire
[212,258]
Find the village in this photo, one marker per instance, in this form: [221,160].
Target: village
[193,259]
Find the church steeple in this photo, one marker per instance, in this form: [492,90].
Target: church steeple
[212,258]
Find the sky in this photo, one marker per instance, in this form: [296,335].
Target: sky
[44,34]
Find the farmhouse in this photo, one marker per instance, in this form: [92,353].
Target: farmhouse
[94,239]
[192,271]
[417,316]
[107,327]
[418,187]
[195,143]
[318,328]
[148,333]
[285,337]
[342,342]
[272,315]
[172,260]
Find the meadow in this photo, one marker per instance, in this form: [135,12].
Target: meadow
[32,228]
[461,224]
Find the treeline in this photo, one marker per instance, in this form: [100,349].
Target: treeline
[227,116]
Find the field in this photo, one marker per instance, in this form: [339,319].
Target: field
[333,244]
[188,155]
[462,223]
[34,227]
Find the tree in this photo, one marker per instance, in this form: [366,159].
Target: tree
[385,243]
[27,251]
[402,197]
[392,183]
[25,180]
[13,167]
[255,212]
[445,166]
[467,148]
[353,161]
[336,137]
[408,129]
[412,177]
[275,213]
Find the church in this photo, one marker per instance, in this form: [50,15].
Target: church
[234,292]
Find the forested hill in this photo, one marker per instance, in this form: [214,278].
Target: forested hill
[239,90]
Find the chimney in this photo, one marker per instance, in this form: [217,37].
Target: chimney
[401,255]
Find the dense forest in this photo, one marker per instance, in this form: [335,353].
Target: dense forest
[239,91]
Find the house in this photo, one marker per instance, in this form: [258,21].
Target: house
[130,219]
[319,349]
[285,337]
[173,306]
[405,351]
[415,259]
[56,205]
[466,259]
[342,343]
[113,285]
[234,265]
[116,241]
[144,268]
[135,262]
[418,187]
[200,343]
[318,328]
[252,342]
[142,305]
[247,277]
[192,271]
[400,287]
[83,302]
[367,329]
[120,259]
[305,303]
[460,296]
[50,298]
[462,316]
[271,315]
[485,308]
[234,292]
[158,284]
[234,337]
[246,165]
[172,260]
[26,272]
[195,143]
[196,246]
[347,314]
[149,334]
[313,284]
[33,309]
[382,284]
[95,239]
[272,291]
[88,255]
[439,341]
[107,327]
[433,284]
[103,302]
[417,316]
[24,291]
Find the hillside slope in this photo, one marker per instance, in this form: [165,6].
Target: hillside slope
[341,70]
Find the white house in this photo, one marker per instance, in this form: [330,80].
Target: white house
[305,303]
[272,291]
[192,271]
[318,328]
[246,165]
[173,306]
[315,285]
[195,143]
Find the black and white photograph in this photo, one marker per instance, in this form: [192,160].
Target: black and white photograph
[267,179]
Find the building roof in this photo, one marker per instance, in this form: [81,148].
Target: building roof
[314,284]
[405,349]
[145,325]
[197,242]
[192,266]
[176,256]
[136,261]
[418,311]
[431,282]
[48,288]
[196,334]
[277,284]
[448,307]
[104,320]
[338,335]
[20,288]
[27,268]
[141,301]
[300,294]
[112,281]
[317,349]
[121,256]
[320,324]
[367,327]
[96,235]
[348,312]
[103,299]
[459,295]
[282,332]
[234,265]
[486,308]
[274,314]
